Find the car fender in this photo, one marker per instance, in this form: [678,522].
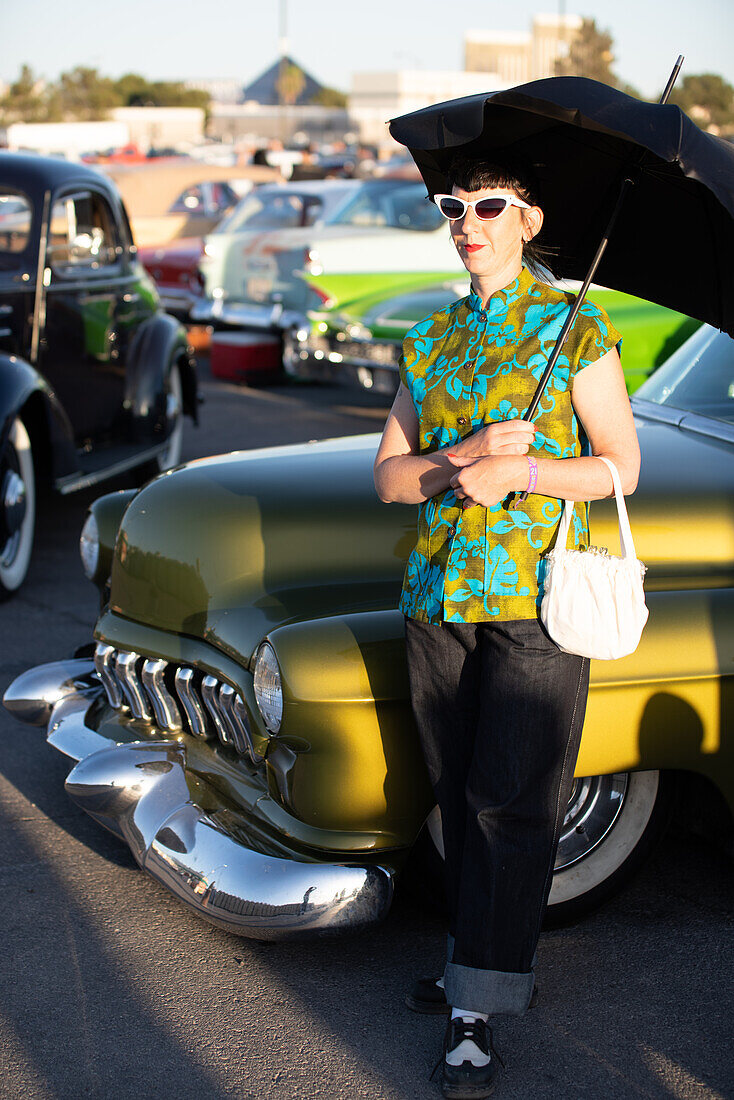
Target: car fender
[348,753]
[157,345]
[26,393]
[346,698]
[108,511]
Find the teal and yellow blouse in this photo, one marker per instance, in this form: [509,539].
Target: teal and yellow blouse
[466,366]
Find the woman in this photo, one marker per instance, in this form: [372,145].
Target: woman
[499,707]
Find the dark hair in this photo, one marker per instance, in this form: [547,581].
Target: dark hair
[474,175]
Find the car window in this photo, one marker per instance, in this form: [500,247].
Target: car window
[82,234]
[698,377]
[15,222]
[205,199]
[272,210]
[399,206]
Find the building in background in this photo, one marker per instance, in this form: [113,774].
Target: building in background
[160,127]
[375,98]
[256,123]
[221,89]
[516,57]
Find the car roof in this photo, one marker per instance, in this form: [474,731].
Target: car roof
[31,172]
[309,187]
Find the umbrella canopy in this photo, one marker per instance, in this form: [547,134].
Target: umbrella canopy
[673,242]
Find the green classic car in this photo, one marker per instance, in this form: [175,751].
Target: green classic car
[358,338]
[241,718]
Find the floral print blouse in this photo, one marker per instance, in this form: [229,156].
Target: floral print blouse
[466,366]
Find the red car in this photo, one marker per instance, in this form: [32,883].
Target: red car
[175,269]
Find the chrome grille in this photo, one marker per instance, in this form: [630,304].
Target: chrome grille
[190,701]
[127,678]
[209,708]
[167,714]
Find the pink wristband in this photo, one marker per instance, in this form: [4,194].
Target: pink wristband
[532,474]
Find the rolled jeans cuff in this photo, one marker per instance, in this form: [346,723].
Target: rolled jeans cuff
[494,992]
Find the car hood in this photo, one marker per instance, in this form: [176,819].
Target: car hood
[225,549]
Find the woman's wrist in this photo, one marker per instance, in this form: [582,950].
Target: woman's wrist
[516,473]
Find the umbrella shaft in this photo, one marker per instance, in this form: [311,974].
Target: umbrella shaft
[533,408]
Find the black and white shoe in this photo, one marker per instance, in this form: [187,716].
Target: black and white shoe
[428,996]
[468,1081]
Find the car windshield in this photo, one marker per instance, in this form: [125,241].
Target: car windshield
[394,205]
[272,210]
[698,377]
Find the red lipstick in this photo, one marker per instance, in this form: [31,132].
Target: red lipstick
[473,247]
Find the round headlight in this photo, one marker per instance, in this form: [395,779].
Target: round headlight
[89,546]
[268,689]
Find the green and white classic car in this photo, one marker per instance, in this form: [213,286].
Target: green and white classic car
[356,338]
[241,717]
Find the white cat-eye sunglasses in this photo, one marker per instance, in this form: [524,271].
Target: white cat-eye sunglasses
[485,209]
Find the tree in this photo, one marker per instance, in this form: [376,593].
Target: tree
[133,89]
[589,54]
[330,97]
[290,83]
[708,99]
[29,99]
[84,94]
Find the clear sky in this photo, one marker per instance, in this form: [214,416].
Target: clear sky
[174,39]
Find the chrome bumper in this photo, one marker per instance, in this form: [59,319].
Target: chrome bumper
[140,791]
[267,318]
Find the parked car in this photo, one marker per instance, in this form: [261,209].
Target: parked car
[359,340]
[243,722]
[397,233]
[168,199]
[94,378]
[182,267]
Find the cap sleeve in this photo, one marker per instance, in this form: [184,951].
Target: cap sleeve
[402,370]
[596,335]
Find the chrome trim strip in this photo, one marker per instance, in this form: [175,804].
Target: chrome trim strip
[209,690]
[125,663]
[103,662]
[186,691]
[167,714]
[73,482]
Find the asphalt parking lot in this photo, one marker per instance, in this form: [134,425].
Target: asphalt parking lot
[110,989]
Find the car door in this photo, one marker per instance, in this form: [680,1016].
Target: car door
[87,327]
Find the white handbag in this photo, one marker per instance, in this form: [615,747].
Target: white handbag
[594,602]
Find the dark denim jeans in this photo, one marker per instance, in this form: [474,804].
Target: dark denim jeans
[499,709]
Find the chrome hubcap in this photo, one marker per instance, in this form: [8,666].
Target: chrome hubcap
[593,807]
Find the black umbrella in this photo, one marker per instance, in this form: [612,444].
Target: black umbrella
[603,161]
[673,242]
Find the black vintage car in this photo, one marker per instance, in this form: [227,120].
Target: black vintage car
[94,379]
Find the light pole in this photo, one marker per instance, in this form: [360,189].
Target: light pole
[283,66]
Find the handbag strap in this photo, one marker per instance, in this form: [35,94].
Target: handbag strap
[626,541]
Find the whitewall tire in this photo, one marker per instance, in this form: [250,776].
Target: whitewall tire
[17,509]
[611,826]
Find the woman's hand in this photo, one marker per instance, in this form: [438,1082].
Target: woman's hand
[487,480]
[505,437]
